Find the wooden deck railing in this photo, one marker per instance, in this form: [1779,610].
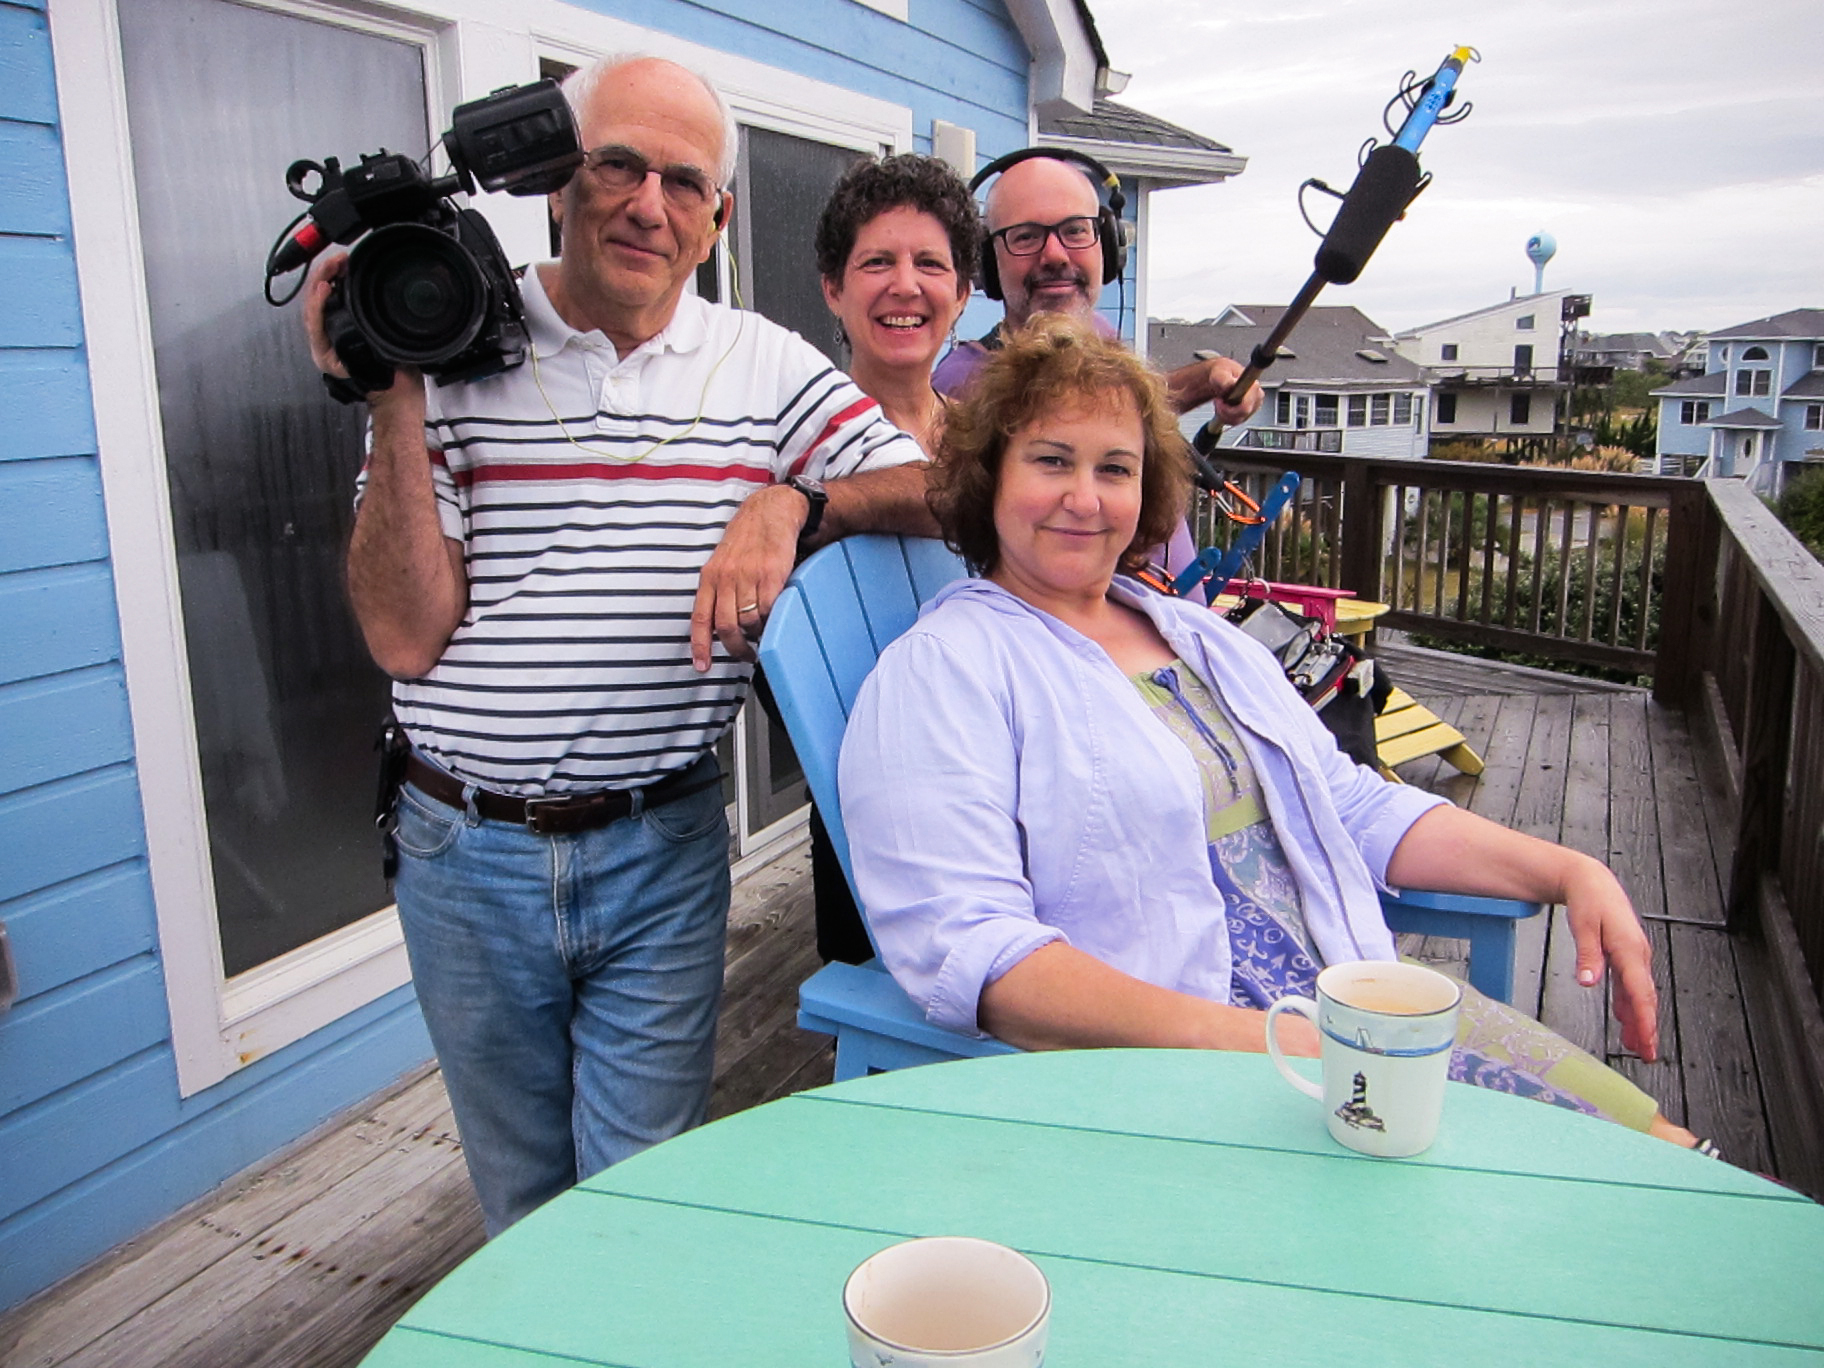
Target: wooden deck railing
[1562,565]
[1760,655]
[1694,583]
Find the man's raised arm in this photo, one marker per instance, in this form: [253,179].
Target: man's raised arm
[406,579]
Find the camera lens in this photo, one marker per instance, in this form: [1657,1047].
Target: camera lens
[416,293]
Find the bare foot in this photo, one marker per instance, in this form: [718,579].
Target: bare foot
[1665,1130]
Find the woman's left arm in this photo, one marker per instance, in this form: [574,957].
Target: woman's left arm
[1452,851]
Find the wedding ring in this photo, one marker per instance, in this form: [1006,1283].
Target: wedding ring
[748,608]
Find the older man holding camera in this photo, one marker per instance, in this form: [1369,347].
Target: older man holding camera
[563,567]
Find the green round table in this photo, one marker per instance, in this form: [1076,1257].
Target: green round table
[1188,1208]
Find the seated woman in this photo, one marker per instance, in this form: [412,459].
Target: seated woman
[1082,813]
[897,245]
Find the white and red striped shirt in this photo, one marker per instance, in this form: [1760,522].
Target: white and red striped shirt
[589,490]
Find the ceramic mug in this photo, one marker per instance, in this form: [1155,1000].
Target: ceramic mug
[1387,1030]
[946,1301]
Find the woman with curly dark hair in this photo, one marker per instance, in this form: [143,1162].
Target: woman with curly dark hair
[897,246]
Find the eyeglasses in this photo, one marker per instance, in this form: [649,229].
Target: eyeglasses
[1028,239]
[620,169]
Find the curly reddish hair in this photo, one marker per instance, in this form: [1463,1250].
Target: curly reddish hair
[1056,361]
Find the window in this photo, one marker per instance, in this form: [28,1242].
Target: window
[1520,409]
[1447,408]
[1693,411]
[1377,409]
[1326,410]
[1282,409]
[1755,354]
[1301,411]
[284,696]
[1814,417]
[1523,357]
[1817,357]
[1753,382]
[1402,410]
[1524,323]
[784,181]
[1418,411]
[1358,410]
[1448,352]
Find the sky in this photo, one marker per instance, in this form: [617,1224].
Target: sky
[1675,150]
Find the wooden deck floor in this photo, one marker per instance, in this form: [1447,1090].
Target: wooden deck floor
[308,1261]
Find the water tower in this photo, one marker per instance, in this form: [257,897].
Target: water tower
[1540,248]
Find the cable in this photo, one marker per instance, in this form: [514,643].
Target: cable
[702,398]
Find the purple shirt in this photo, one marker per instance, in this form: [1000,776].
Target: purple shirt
[1004,785]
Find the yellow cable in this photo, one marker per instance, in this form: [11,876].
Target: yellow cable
[702,399]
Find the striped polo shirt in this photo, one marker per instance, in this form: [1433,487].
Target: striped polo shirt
[589,490]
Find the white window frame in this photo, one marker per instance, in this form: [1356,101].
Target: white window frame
[221,1024]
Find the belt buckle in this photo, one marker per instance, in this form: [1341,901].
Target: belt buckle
[544,816]
[561,816]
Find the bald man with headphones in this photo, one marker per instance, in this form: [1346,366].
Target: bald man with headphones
[1053,243]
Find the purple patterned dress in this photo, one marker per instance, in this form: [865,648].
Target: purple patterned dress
[1497,1046]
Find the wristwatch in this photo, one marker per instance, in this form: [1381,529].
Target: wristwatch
[818,496]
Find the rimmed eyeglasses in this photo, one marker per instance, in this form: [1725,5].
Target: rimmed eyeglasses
[620,169]
[1028,239]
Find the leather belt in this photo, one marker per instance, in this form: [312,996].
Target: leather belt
[561,815]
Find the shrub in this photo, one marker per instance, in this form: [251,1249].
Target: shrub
[1801,508]
[1547,585]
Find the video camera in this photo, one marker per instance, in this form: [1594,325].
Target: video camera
[428,285]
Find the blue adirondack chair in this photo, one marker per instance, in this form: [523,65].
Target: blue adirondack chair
[838,612]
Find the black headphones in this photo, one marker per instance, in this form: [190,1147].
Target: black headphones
[1114,233]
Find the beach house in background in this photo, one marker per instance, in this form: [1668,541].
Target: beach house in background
[207,966]
[1499,372]
[1757,411]
[1336,387]
[1596,357]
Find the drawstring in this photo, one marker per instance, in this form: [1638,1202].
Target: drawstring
[1167,678]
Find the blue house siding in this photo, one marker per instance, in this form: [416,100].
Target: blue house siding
[952,59]
[1678,439]
[95,1143]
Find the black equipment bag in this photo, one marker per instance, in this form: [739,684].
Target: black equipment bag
[1341,684]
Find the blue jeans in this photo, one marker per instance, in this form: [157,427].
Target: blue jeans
[570,983]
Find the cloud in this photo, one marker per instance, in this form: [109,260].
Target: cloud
[1674,152]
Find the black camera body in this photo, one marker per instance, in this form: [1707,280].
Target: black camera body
[427,284]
